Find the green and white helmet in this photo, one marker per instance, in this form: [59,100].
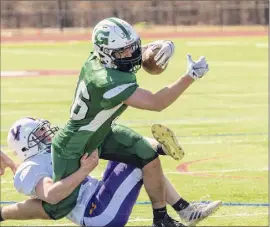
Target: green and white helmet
[113,35]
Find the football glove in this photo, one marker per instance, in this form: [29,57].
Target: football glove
[165,53]
[196,69]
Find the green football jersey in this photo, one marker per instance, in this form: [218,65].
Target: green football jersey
[97,103]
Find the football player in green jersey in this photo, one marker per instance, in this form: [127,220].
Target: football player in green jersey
[106,87]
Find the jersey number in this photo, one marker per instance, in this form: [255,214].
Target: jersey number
[79,108]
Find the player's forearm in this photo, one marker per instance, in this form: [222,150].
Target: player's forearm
[29,209]
[166,96]
[63,188]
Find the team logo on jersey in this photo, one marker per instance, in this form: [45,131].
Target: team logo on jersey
[16,132]
[94,206]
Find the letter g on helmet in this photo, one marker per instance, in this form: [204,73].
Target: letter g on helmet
[113,35]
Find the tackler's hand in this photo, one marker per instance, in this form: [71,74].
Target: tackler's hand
[89,162]
[6,162]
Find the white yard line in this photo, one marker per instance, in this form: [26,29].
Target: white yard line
[27,112]
[19,73]
[32,90]
[221,171]
[35,101]
[217,43]
[5,181]
[238,215]
[39,52]
[221,141]
[262,45]
[177,218]
[248,64]
[9,191]
[236,94]
[183,121]
[237,106]
[212,216]
[192,121]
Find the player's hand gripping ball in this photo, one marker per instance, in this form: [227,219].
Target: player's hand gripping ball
[148,62]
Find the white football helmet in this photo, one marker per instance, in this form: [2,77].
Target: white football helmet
[113,35]
[29,136]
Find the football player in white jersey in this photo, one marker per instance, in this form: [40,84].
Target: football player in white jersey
[108,202]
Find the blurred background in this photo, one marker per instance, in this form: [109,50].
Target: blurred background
[62,14]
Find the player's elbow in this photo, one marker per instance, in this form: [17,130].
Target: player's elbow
[156,108]
[52,201]
[158,105]
[52,198]
[160,108]
[48,191]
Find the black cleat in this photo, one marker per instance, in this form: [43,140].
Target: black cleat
[167,221]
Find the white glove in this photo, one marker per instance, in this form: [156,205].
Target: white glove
[165,53]
[196,69]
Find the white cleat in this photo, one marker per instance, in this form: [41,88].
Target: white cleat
[167,138]
[197,212]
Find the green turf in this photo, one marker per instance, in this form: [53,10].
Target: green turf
[222,118]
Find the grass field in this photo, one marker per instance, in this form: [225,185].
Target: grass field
[221,120]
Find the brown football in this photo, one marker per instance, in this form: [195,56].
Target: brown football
[148,62]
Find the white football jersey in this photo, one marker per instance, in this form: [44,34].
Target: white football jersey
[32,170]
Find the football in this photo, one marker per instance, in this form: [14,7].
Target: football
[148,62]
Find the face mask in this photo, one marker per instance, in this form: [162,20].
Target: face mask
[130,64]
